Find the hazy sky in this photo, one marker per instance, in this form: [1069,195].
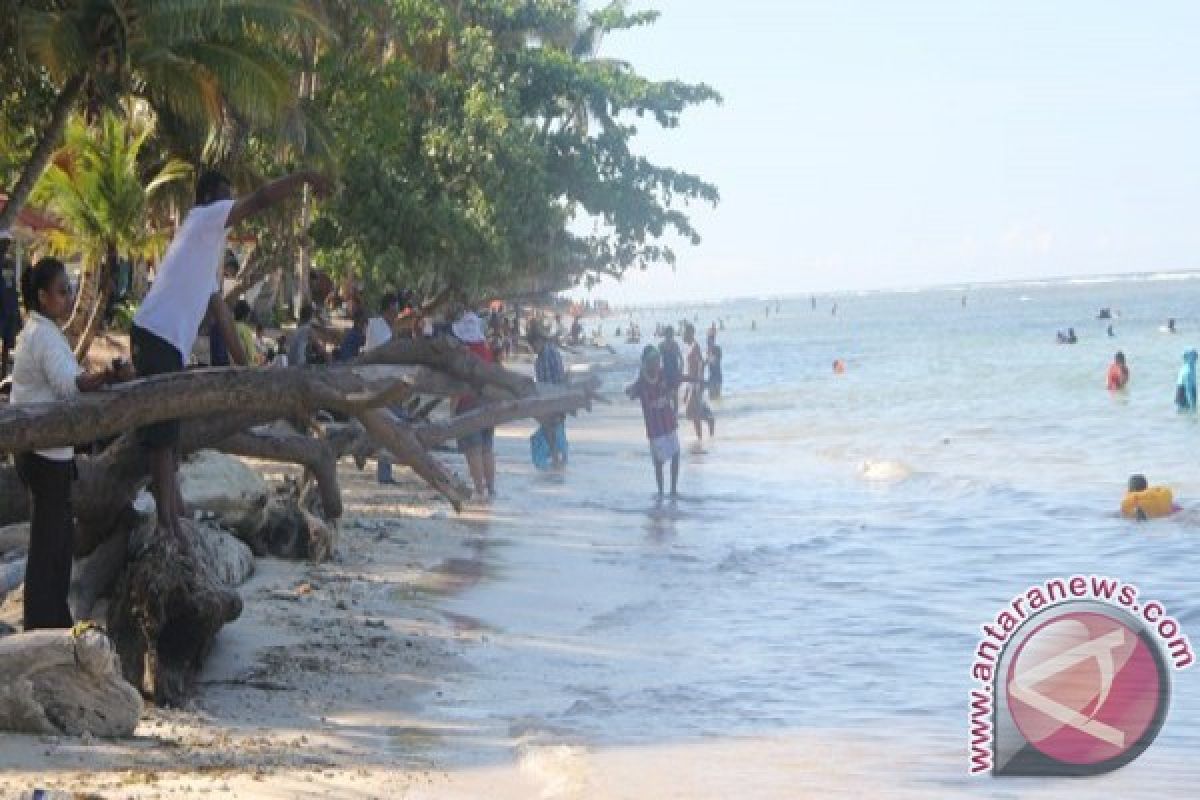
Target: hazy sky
[877,143]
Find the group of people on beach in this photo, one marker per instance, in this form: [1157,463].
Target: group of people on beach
[665,370]
[187,292]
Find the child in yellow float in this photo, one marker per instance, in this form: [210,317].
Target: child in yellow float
[1143,501]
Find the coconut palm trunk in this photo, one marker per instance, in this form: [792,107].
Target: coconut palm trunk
[93,311]
[40,157]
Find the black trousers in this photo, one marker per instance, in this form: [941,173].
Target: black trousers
[51,539]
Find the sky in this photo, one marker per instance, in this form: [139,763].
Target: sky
[867,144]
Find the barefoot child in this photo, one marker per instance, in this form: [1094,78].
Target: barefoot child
[653,389]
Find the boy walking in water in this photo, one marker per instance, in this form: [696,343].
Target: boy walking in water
[653,389]
[187,286]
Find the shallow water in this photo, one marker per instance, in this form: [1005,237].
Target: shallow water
[840,543]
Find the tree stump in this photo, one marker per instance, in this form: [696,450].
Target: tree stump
[165,614]
[63,682]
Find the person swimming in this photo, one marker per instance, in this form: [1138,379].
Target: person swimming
[1143,501]
[1185,386]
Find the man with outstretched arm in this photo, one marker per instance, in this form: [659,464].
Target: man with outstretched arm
[187,286]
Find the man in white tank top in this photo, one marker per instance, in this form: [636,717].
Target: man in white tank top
[186,287]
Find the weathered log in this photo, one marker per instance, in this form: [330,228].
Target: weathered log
[315,455]
[402,443]
[63,682]
[184,395]
[94,576]
[165,614]
[292,532]
[447,355]
[549,400]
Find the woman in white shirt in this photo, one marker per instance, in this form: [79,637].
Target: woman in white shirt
[45,371]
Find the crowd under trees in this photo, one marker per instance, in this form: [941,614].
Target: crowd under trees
[478,146]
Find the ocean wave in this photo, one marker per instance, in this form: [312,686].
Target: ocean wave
[884,471]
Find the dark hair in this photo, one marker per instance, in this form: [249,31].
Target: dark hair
[39,277]
[390,299]
[306,312]
[1137,483]
[359,318]
[1120,357]
[208,185]
[241,311]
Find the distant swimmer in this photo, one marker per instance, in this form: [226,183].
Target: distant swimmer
[1104,313]
[839,366]
[1110,332]
[1143,501]
[1169,327]
[964,301]
[833,311]
[1067,338]
[812,299]
[1185,386]
[753,325]
[1118,373]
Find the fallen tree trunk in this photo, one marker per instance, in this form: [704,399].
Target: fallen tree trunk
[315,455]
[165,614]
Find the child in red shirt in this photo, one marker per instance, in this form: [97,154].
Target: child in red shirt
[655,392]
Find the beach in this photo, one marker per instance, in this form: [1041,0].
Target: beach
[800,623]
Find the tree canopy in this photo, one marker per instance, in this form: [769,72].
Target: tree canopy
[479,144]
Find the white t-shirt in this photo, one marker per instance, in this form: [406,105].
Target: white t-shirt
[189,275]
[378,332]
[44,371]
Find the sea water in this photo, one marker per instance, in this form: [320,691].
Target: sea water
[839,544]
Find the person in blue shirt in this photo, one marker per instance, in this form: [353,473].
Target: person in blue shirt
[354,340]
[548,369]
[1185,387]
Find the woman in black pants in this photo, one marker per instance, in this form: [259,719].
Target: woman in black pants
[45,370]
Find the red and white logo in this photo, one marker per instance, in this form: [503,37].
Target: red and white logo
[1084,688]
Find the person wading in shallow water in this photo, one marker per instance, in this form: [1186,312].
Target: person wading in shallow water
[672,364]
[548,369]
[694,407]
[652,389]
[187,286]
[1118,372]
[45,371]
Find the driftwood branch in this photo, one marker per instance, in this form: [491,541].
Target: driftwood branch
[314,454]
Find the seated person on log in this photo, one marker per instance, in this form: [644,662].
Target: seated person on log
[188,285]
[45,371]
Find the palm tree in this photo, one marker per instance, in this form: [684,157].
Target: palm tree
[195,60]
[96,186]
